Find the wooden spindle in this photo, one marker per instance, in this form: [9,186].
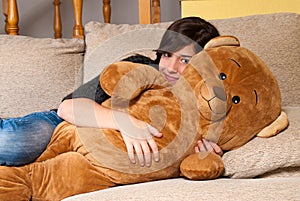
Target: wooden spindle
[155,11]
[144,12]
[106,9]
[10,11]
[5,11]
[78,30]
[57,20]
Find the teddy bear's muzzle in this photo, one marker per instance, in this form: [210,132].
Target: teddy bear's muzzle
[212,100]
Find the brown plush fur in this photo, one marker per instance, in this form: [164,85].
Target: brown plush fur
[200,105]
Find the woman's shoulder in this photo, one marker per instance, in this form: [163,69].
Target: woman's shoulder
[138,58]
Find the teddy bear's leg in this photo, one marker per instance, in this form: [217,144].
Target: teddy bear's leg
[64,139]
[14,183]
[65,175]
[202,165]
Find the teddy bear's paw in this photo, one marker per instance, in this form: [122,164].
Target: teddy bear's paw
[202,166]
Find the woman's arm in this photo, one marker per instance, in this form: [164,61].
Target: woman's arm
[85,112]
[136,134]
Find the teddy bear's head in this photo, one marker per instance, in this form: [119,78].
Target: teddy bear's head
[236,92]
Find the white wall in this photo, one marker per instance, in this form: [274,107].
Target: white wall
[36,17]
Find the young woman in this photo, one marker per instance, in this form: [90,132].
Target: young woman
[23,139]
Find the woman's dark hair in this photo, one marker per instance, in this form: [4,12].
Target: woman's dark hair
[186,31]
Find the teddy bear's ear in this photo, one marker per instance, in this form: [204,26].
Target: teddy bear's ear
[222,41]
[275,127]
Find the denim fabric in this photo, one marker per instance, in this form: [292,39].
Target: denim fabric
[23,139]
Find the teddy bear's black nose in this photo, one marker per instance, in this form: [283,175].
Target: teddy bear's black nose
[220,93]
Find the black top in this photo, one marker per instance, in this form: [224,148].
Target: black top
[93,90]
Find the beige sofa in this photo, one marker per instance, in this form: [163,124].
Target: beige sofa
[38,73]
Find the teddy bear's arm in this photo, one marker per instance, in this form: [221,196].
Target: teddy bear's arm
[127,80]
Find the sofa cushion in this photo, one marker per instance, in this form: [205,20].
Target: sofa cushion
[36,73]
[267,156]
[182,189]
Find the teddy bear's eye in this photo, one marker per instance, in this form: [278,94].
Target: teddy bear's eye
[222,76]
[236,99]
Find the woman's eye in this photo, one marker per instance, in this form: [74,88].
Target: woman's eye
[222,76]
[184,61]
[166,54]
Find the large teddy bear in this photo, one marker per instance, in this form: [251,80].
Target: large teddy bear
[226,94]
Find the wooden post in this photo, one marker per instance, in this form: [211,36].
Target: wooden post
[10,11]
[78,30]
[144,12]
[57,20]
[106,9]
[4,11]
[155,11]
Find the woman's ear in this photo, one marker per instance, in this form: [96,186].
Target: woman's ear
[222,41]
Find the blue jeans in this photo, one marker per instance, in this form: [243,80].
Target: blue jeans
[23,139]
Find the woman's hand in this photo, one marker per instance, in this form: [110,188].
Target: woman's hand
[204,145]
[138,138]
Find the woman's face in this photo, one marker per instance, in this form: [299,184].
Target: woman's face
[171,65]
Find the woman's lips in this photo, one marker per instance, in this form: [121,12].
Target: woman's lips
[171,78]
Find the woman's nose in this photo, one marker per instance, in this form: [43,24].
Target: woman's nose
[172,65]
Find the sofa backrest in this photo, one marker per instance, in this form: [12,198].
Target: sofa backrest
[36,73]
